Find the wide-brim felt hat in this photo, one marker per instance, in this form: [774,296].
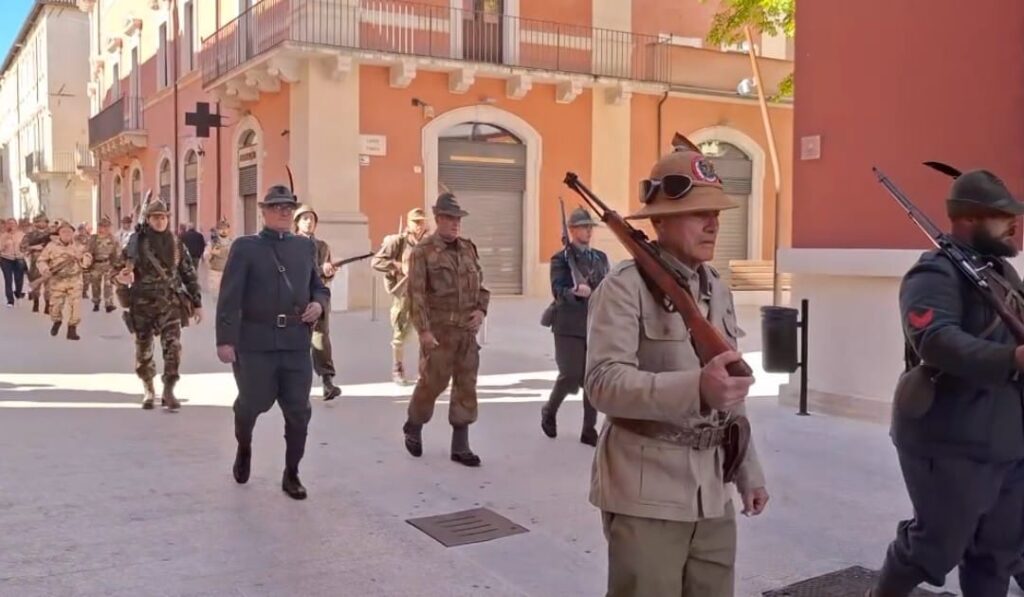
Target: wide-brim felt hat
[982,191]
[278,195]
[40,218]
[446,205]
[705,194]
[416,215]
[157,207]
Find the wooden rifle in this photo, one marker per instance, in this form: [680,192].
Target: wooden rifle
[708,342]
[347,260]
[570,250]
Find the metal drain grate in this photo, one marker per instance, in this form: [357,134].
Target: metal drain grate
[469,526]
[849,582]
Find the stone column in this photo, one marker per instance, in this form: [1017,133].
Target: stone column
[324,156]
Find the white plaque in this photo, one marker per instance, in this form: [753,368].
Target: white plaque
[373,145]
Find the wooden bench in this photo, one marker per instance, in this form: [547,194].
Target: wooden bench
[753,275]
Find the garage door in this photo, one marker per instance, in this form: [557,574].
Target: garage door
[736,171]
[489,179]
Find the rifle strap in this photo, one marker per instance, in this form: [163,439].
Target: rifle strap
[284,276]
[160,271]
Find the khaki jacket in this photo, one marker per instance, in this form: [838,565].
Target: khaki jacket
[641,365]
[392,260]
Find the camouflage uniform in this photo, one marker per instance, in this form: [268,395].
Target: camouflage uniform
[82,240]
[393,261]
[64,262]
[219,248]
[155,309]
[105,252]
[445,288]
[36,237]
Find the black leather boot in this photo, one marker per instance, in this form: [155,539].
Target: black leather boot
[55,328]
[47,307]
[460,447]
[548,424]
[413,438]
[35,304]
[243,460]
[148,394]
[291,485]
[73,332]
[331,391]
[589,434]
[109,308]
[95,307]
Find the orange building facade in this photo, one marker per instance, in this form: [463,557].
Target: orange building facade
[376,105]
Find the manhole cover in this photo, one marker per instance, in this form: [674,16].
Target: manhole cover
[469,526]
[850,582]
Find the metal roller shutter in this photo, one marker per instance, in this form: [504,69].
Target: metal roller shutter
[247,181]
[736,172]
[489,180]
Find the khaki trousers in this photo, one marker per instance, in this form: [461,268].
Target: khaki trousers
[664,558]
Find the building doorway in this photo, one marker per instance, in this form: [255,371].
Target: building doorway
[485,167]
[736,170]
[482,33]
[248,177]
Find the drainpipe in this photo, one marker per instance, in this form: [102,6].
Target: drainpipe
[219,184]
[657,140]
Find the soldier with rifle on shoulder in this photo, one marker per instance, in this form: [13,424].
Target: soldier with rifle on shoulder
[958,421]
[662,366]
[576,271]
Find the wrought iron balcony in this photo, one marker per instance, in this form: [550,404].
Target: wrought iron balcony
[118,129]
[431,31]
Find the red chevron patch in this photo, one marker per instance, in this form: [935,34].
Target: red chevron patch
[920,320]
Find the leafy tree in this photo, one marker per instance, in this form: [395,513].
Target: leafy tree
[770,17]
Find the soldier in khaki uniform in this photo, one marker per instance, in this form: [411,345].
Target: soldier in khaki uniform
[218,255]
[666,507]
[392,260]
[306,221]
[449,303]
[63,260]
[32,245]
[105,252]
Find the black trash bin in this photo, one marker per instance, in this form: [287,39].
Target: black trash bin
[779,336]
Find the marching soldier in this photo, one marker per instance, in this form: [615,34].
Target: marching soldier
[220,245]
[164,294]
[82,236]
[569,321]
[306,221]
[125,232]
[393,261]
[658,472]
[270,297]
[449,303]
[105,253]
[957,420]
[62,262]
[32,245]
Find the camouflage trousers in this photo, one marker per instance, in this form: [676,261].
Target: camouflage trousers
[166,325]
[101,280]
[456,359]
[65,291]
[33,275]
[401,321]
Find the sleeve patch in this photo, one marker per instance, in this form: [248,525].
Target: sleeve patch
[920,319]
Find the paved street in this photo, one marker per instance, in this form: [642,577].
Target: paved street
[98,497]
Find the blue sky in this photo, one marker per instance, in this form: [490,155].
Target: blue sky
[12,15]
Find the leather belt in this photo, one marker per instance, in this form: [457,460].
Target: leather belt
[281,320]
[700,438]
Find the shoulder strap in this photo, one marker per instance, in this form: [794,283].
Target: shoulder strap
[160,271]
[282,271]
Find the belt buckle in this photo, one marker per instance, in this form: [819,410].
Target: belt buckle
[705,437]
[282,320]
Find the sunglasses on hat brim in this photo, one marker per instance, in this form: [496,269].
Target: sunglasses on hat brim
[674,186]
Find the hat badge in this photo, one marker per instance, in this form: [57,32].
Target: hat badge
[704,170]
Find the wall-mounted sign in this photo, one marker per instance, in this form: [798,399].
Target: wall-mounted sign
[810,147]
[373,145]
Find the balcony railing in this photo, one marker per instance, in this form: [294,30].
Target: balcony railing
[123,116]
[84,159]
[407,28]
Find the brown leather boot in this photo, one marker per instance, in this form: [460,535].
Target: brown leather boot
[168,399]
[73,332]
[148,394]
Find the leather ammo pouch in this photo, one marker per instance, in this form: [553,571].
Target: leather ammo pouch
[915,391]
[548,317]
[733,435]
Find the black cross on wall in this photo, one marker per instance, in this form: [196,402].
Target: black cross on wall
[203,120]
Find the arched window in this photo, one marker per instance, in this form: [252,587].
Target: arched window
[165,182]
[136,189]
[192,187]
[118,187]
[480,132]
